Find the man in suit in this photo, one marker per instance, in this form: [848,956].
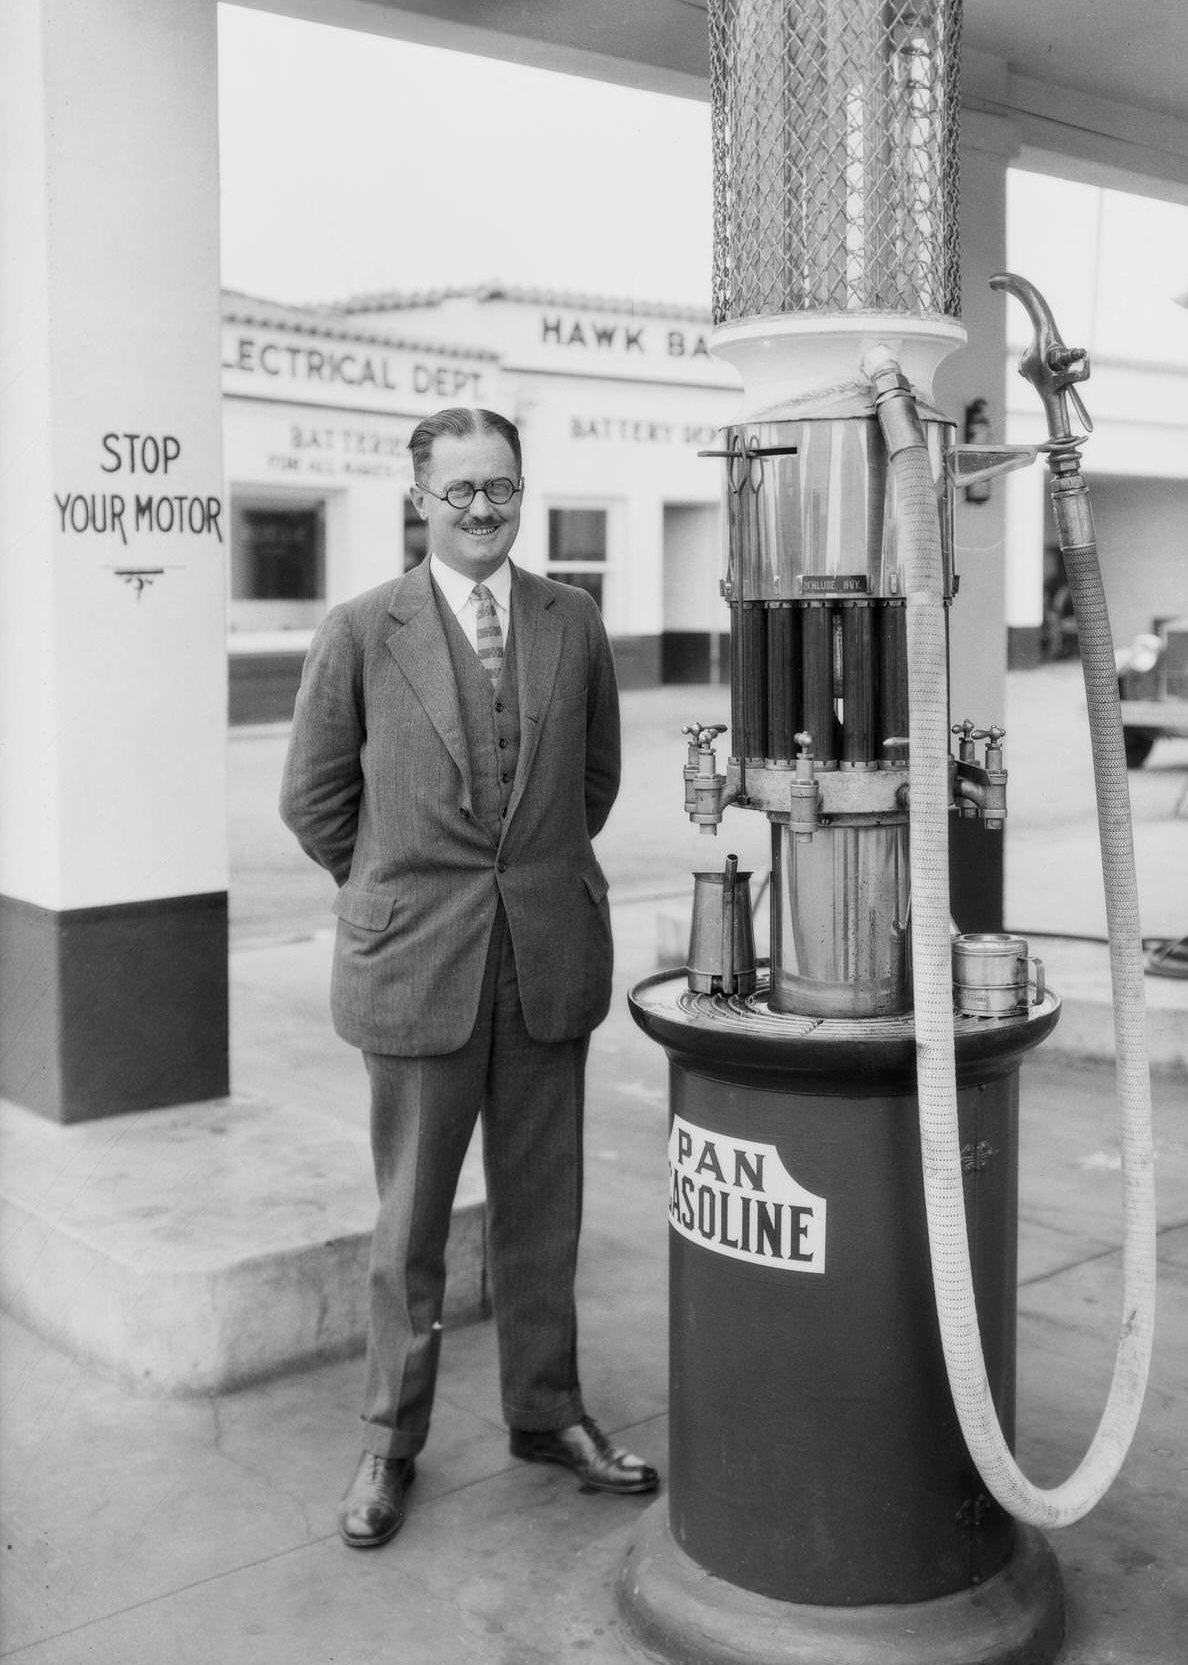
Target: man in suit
[455,747]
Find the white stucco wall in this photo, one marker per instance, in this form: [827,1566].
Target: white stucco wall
[113,690]
[613,410]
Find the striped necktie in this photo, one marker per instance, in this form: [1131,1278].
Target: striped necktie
[488,636]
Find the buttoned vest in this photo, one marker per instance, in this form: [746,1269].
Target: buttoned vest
[491,719]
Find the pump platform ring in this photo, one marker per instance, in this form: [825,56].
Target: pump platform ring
[743,1032]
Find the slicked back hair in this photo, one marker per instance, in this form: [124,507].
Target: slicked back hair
[459,422]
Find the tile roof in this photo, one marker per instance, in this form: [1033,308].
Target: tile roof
[317,319]
[396,300]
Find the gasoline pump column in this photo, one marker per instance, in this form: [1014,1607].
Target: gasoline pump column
[822,1506]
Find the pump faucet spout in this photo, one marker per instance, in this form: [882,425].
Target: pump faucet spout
[705,794]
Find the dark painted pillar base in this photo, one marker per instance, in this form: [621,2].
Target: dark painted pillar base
[111,1009]
[674,1610]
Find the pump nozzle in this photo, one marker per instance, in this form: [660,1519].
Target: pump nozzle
[1050,366]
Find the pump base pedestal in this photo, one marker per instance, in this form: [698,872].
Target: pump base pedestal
[675,1611]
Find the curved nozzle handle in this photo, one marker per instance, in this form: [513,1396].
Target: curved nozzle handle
[1050,366]
[728,906]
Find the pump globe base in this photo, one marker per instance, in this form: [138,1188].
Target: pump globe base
[788,360]
[675,1611]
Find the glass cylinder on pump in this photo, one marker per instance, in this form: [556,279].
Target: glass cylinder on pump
[820,673]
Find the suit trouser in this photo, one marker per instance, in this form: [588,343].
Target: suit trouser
[423,1113]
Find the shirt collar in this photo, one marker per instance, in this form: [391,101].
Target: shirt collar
[456,586]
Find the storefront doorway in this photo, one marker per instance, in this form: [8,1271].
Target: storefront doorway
[278,597]
[278,562]
[694,644]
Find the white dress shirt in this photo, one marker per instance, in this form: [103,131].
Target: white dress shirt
[458,591]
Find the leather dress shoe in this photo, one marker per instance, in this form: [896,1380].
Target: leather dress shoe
[601,1466]
[372,1508]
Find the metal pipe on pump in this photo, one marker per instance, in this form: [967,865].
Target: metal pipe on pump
[823,1506]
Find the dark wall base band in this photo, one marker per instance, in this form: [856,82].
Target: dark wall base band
[637,661]
[1025,647]
[695,656]
[262,687]
[112,1009]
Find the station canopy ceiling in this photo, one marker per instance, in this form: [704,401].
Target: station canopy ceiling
[1131,53]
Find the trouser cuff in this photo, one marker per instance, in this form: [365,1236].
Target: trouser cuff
[565,1415]
[390,1442]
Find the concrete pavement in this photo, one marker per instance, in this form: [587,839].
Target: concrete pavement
[197,1527]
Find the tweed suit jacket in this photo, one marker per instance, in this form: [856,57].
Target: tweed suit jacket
[377,790]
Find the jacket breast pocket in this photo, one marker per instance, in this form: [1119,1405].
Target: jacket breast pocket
[369,910]
[569,696]
[596,884]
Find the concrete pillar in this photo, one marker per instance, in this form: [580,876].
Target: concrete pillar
[1026,504]
[113,864]
[977,657]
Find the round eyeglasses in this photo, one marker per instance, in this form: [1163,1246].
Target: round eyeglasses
[462,494]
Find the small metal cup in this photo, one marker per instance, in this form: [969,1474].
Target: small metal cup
[994,976]
[722,936]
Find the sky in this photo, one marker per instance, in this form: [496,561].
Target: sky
[352,163]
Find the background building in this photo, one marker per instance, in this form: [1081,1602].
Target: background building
[614,403]
[617,404]
[317,411]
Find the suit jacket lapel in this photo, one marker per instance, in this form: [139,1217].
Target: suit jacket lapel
[419,647]
[538,636]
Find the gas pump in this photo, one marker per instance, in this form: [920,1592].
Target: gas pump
[843,1150]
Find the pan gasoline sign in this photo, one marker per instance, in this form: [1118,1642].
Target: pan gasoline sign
[736,1197]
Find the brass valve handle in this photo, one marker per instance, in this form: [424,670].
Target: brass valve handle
[966,734]
[993,736]
[702,735]
[806,764]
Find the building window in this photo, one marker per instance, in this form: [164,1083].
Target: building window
[280,555]
[278,561]
[578,549]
